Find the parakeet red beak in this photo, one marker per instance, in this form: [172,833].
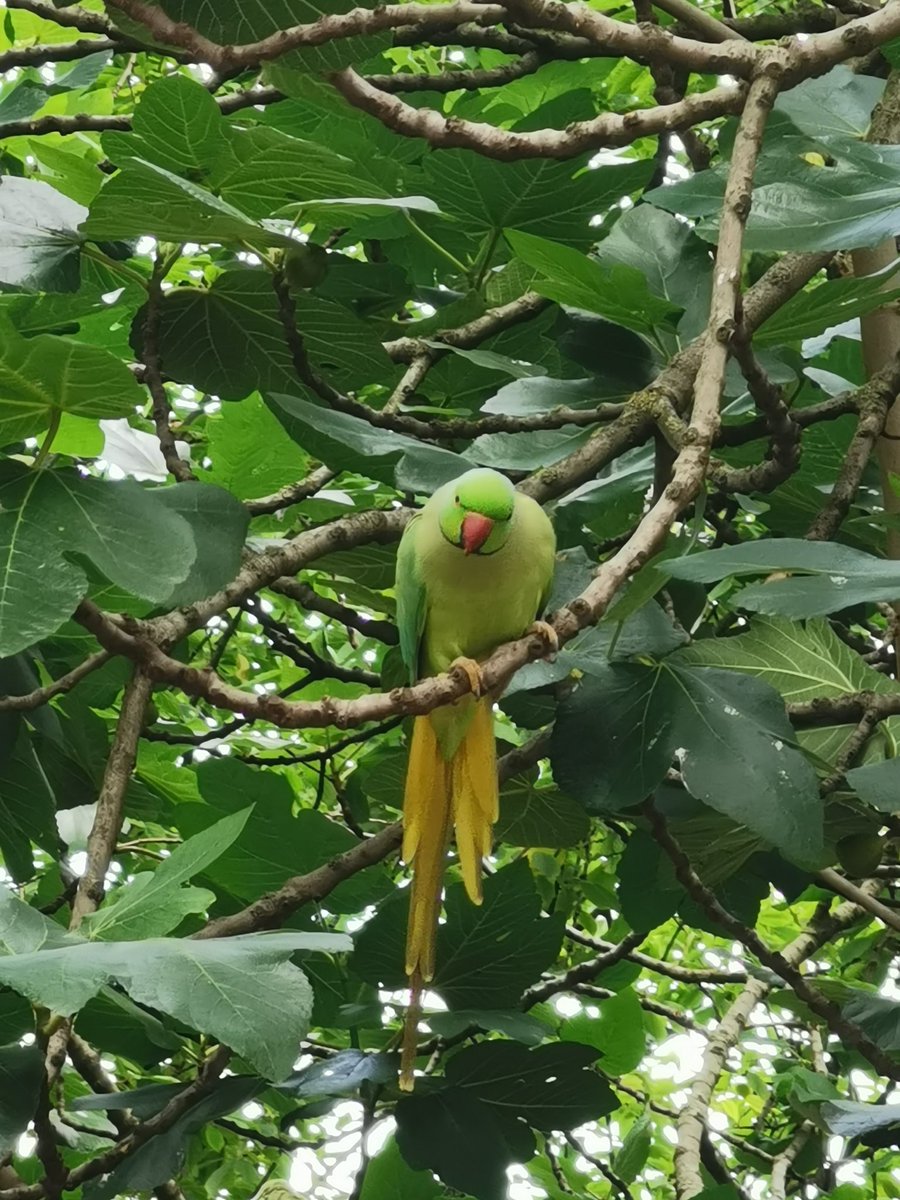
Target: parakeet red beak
[476,529]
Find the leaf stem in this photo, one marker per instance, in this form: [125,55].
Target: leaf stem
[52,431]
[484,257]
[119,268]
[436,246]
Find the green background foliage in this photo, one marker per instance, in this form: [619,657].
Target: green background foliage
[245,325]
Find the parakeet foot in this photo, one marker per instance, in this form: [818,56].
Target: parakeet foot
[548,636]
[472,672]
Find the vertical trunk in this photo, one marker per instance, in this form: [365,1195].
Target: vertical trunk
[881,328]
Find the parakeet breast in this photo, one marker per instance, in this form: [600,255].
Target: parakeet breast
[476,602]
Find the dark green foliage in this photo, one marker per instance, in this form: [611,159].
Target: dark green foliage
[236,315]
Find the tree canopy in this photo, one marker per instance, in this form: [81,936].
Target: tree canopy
[269,275]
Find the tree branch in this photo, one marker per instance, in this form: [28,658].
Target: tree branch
[605,131]
[71,17]
[873,402]
[268,912]
[58,687]
[308,598]
[108,818]
[176,466]
[36,56]
[691,1120]
[292,493]
[329,28]
[849,1033]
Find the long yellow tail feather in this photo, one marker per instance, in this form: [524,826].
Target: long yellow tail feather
[426,831]
[475,796]
[464,791]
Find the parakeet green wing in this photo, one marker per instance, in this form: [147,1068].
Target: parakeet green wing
[410,594]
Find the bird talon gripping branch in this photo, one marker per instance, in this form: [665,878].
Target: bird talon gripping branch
[548,636]
[472,671]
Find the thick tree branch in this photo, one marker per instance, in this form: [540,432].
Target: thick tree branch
[70,17]
[451,81]
[36,56]
[605,131]
[110,803]
[861,896]
[699,20]
[330,28]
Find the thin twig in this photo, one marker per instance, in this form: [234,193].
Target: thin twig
[58,687]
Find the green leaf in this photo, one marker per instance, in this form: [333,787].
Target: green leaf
[848,1119]
[878,784]
[250,451]
[21,1076]
[526,451]
[826,577]
[349,443]
[228,339]
[389,1177]
[468,1143]
[649,893]
[137,543]
[617,735]
[341,1075]
[270,172]
[163,1156]
[218,523]
[628,1161]
[539,816]
[840,102]
[155,902]
[240,990]
[539,394]
[486,955]
[44,376]
[851,203]
[27,809]
[176,125]
[808,313]
[275,844]
[618,1032]
[878,1016]
[669,255]
[550,1087]
[73,175]
[799,661]
[115,1024]
[534,194]
[618,293]
[521,1027]
[39,245]
[143,198]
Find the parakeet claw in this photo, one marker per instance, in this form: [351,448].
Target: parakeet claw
[472,672]
[548,636]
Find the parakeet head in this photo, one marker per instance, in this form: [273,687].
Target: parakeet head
[478,511]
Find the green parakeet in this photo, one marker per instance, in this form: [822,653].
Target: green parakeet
[474,569]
